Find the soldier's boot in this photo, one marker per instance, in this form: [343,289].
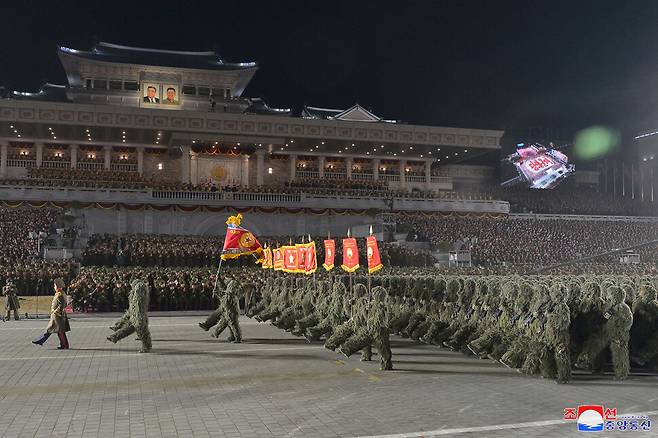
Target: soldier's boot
[204,326]
[359,341]
[145,337]
[221,326]
[366,354]
[16,318]
[234,327]
[123,332]
[340,335]
[384,349]
[620,360]
[562,364]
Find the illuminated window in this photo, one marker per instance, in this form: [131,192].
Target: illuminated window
[269,170]
[160,166]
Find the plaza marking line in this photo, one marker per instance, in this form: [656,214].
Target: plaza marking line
[121,353]
[82,326]
[490,428]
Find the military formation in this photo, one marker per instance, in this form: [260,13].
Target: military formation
[542,325]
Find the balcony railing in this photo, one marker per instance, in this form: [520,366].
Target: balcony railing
[335,175]
[307,174]
[362,176]
[56,164]
[124,167]
[415,178]
[389,177]
[12,162]
[441,180]
[89,165]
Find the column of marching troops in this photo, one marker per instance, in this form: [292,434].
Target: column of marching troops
[543,325]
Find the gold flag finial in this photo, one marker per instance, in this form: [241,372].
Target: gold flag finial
[234,220]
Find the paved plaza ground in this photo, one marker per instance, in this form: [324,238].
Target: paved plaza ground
[277,385]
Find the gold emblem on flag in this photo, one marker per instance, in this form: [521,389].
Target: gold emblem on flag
[247,240]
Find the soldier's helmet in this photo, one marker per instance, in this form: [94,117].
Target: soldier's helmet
[616,295]
[559,293]
[139,287]
[360,290]
[379,294]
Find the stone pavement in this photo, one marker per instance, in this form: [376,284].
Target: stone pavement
[277,385]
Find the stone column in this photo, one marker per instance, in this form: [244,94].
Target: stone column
[292,159]
[349,162]
[322,161]
[194,168]
[107,160]
[245,171]
[403,174]
[39,149]
[375,169]
[140,161]
[4,147]
[73,148]
[260,167]
[428,174]
[185,165]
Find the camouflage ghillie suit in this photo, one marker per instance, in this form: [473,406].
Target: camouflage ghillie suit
[227,313]
[501,316]
[316,307]
[617,331]
[278,302]
[335,316]
[516,339]
[358,319]
[464,312]
[293,311]
[644,333]
[136,317]
[589,329]
[536,324]
[266,294]
[375,333]
[556,360]
[442,314]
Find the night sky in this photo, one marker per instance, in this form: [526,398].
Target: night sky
[538,68]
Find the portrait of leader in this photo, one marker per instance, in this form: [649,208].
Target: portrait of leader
[151,95]
[171,95]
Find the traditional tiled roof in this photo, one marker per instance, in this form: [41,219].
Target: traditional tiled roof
[165,58]
[355,113]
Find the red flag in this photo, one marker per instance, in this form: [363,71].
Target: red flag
[267,262]
[350,255]
[277,259]
[311,261]
[301,256]
[290,259]
[372,251]
[240,242]
[329,254]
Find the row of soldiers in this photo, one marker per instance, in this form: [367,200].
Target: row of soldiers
[105,289]
[543,325]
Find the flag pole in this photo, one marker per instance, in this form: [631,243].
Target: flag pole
[214,289]
[368,269]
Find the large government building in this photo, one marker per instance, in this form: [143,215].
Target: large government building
[177,130]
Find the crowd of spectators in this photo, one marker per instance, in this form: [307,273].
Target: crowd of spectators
[530,241]
[15,226]
[203,251]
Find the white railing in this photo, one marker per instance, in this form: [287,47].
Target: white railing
[56,164]
[415,178]
[441,180]
[362,176]
[89,165]
[124,167]
[21,163]
[307,174]
[335,175]
[226,196]
[389,177]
